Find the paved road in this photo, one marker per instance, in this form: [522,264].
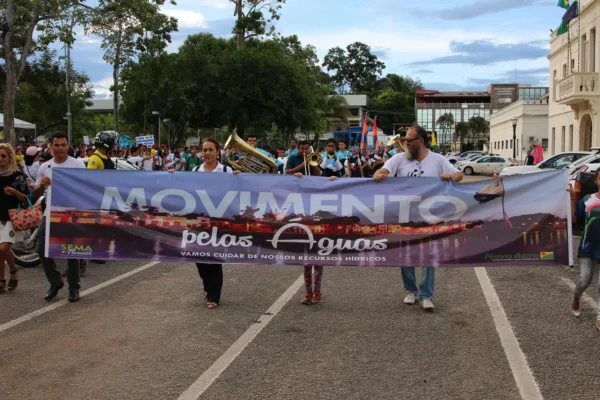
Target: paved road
[149,336]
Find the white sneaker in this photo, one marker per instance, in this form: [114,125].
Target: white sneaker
[427,305]
[410,299]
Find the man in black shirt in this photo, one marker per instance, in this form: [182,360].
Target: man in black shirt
[529,160]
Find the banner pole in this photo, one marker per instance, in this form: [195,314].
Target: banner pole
[569,223]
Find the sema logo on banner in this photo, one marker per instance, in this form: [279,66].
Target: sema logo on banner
[252,218]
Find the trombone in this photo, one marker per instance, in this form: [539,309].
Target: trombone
[312,160]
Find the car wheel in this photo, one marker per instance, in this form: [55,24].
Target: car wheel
[469,171]
[452,162]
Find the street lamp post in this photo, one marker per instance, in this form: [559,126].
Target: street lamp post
[158,121]
[69,124]
[514,146]
[168,120]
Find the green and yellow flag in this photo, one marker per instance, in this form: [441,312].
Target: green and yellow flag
[562,28]
[564,4]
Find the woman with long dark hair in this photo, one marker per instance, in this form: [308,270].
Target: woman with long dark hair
[211,274]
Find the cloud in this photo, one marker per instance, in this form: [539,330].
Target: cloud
[475,9]
[102,88]
[486,52]
[382,53]
[186,18]
[220,4]
[454,87]
[423,71]
[533,76]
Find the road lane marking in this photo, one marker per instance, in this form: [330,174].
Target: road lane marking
[220,365]
[42,311]
[585,298]
[522,374]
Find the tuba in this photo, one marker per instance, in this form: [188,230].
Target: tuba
[395,142]
[246,158]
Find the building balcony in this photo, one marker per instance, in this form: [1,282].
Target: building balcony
[578,88]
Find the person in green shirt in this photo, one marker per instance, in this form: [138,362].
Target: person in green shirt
[193,161]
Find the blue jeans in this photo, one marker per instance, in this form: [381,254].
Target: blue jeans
[425,290]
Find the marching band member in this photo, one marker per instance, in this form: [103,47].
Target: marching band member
[415,162]
[356,166]
[252,141]
[331,166]
[313,274]
[344,156]
[297,163]
[292,151]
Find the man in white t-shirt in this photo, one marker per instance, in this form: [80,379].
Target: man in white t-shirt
[60,148]
[415,162]
[138,160]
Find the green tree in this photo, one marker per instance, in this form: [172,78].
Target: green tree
[128,28]
[461,130]
[445,123]
[251,19]
[19,20]
[41,94]
[355,69]
[399,83]
[392,107]
[479,128]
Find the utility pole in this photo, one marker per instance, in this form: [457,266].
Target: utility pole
[67,79]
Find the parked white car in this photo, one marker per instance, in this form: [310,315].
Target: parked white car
[465,156]
[558,161]
[485,165]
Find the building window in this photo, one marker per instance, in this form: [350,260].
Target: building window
[511,144]
[545,143]
[553,140]
[517,147]
[570,137]
[502,142]
[554,81]
[507,144]
[563,139]
[564,75]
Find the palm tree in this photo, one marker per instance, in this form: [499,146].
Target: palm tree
[478,126]
[445,122]
[333,110]
[461,130]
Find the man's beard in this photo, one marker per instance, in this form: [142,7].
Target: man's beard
[411,154]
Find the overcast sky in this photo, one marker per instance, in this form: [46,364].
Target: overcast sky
[449,45]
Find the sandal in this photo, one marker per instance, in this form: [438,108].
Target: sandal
[13,283]
[212,305]
[2,285]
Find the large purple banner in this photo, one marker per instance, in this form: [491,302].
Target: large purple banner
[284,220]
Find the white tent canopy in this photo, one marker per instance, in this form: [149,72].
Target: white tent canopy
[18,123]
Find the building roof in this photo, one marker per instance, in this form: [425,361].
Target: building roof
[19,124]
[101,105]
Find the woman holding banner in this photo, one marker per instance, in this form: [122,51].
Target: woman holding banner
[211,274]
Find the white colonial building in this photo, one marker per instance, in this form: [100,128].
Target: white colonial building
[530,118]
[573,117]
